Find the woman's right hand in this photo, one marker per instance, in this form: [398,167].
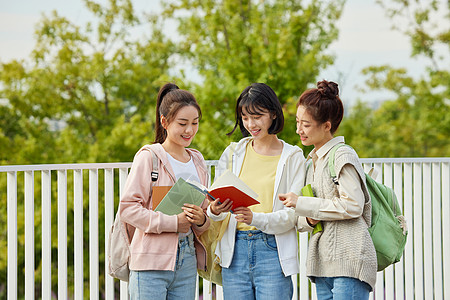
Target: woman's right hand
[312,222]
[183,223]
[289,199]
[217,207]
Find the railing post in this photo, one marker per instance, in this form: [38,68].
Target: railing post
[123,174]
[417,230]
[93,234]
[399,267]
[12,235]
[29,235]
[427,232]
[62,234]
[304,291]
[409,248]
[109,220]
[389,271]
[379,289]
[446,227]
[46,210]
[78,233]
[437,232]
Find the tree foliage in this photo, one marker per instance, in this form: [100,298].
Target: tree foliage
[413,122]
[234,43]
[74,99]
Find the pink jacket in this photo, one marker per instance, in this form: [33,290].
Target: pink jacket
[154,235]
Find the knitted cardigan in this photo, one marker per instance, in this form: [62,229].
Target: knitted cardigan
[344,248]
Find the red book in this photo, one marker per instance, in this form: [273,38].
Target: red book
[238,197]
[229,186]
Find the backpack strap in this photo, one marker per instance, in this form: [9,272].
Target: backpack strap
[154,167]
[308,163]
[331,161]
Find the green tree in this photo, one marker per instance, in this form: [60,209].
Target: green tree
[83,85]
[233,43]
[87,94]
[413,121]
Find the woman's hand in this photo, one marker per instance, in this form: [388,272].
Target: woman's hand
[183,223]
[217,208]
[194,214]
[289,199]
[312,222]
[243,215]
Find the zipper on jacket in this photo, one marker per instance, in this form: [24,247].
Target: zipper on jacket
[278,185]
[170,174]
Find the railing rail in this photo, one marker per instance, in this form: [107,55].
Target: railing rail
[422,186]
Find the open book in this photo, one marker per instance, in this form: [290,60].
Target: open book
[229,186]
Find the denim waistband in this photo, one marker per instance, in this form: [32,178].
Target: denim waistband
[251,234]
[189,239]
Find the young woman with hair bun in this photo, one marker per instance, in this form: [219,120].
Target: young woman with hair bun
[165,250]
[341,257]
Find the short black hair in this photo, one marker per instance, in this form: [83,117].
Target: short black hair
[256,98]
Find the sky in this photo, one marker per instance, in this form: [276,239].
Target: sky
[365,39]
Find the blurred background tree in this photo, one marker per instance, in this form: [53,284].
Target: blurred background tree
[413,120]
[234,43]
[87,94]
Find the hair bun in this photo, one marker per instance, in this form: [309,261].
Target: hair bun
[328,89]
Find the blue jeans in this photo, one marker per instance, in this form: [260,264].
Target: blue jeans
[341,288]
[255,271]
[178,284]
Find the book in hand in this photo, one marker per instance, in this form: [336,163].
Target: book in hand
[179,194]
[158,193]
[308,192]
[229,186]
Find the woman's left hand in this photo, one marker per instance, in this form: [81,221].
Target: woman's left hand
[243,215]
[194,214]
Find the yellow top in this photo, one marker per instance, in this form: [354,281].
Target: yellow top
[258,172]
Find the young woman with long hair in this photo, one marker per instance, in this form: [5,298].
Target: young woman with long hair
[165,250]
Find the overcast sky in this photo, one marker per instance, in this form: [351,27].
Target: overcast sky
[365,39]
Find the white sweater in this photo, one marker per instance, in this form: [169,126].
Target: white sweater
[281,222]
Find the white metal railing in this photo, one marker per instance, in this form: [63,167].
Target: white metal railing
[422,186]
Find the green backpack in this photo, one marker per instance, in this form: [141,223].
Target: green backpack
[388,229]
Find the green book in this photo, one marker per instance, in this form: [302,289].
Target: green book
[179,194]
[308,192]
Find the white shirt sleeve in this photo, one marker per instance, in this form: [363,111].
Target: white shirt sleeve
[348,205]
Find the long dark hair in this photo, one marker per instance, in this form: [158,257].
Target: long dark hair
[256,98]
[170,100]
[324,104]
